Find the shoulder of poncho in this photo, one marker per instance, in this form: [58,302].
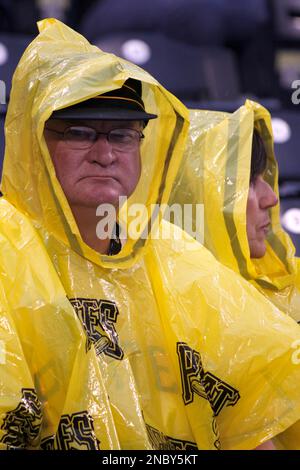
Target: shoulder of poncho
[177,240]
[17,230]
[181,251]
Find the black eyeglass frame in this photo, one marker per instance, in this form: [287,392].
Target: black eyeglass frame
[96,133]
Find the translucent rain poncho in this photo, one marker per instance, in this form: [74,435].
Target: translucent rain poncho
[158,347]
[215,172]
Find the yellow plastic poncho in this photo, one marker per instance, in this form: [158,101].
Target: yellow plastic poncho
[215,172]
[158,347]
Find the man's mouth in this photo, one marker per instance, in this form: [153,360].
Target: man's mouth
[265,227]
[98,177]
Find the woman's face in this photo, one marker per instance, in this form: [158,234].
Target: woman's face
[261,198]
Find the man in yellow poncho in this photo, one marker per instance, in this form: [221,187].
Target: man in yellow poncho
[144,343]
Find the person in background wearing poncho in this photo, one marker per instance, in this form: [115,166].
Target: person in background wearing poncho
[219,170]
[110,342]
[237,181]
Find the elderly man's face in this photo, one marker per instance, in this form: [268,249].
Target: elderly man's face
[93,172]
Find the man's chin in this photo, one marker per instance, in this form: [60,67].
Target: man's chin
[98,201]
[258,250]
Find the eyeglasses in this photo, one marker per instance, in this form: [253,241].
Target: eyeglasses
[81,137]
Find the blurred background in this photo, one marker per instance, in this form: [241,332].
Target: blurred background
[212,54]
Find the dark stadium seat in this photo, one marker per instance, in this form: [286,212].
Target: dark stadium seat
[286,19]
[12,47]
[286,38]
[190,72]
[286,127]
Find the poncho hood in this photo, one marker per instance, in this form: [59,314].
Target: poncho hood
[215,172]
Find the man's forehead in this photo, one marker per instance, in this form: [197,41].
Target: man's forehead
[95,123]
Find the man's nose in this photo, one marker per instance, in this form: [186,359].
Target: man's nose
[268,198]
[102,152]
